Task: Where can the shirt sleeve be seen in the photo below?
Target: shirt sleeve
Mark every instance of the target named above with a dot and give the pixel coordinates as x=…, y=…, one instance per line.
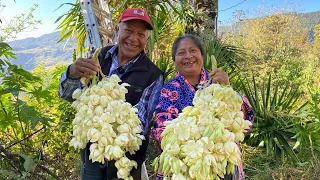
x=148, y=102
x=67, y=86
x=165, y=111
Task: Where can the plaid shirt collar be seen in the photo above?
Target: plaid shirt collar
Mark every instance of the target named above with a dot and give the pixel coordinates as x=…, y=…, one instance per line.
x=114, y=51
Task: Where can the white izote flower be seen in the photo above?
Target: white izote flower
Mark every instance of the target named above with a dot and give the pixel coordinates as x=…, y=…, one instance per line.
x=201, y=142
x=76, y=94
x=110, y=124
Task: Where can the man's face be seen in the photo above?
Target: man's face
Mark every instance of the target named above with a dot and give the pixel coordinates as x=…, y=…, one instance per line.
x=132, y=38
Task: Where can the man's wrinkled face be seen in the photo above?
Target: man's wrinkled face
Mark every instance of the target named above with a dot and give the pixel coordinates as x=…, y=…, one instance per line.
x=132, y=37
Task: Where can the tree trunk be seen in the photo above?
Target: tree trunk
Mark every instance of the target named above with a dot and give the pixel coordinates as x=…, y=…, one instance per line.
x=206, y=13
x=105, y=22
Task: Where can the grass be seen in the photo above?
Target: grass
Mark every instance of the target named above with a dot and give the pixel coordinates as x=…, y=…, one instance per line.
x=152, y=152
x=260, y=166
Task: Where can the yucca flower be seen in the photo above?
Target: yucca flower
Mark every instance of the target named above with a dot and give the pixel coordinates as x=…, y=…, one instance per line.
x=200, y=143
x=108, y=122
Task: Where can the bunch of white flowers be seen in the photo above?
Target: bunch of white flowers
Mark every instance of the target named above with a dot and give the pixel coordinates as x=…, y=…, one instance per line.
x=201, y=142
x=109, y=123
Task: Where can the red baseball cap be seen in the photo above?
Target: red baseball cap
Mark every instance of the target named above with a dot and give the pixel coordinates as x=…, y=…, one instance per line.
x=136, y=13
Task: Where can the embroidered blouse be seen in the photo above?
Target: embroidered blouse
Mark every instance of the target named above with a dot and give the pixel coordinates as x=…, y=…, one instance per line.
x=177, y=94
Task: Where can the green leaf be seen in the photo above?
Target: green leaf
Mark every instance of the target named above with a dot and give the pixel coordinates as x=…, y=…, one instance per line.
x=5, y=51
x=29, y=164
x=284, y=144
x=256, y=96
x=40, y=93
x=29, y=114
x=7, y=119
x=5, y=91
x=27, y=75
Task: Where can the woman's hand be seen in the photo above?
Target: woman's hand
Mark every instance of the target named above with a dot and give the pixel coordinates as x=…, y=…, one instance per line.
x=219, y=76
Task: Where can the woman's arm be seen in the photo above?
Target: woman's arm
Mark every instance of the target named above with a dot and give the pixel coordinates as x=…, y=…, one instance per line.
x=247, y=113
x=165, y=111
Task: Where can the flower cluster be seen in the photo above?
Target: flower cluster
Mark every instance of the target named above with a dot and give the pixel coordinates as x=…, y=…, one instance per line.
x=109, y=123
x=201, y=142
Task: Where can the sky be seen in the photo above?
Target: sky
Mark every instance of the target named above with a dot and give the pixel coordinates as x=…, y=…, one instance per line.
x=227, y=7
x=45, y=11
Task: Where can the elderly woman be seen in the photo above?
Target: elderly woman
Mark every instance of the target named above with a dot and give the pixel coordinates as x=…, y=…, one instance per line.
x=188, y=55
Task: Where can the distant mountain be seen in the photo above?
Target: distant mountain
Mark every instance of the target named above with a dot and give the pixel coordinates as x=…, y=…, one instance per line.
x=308, y=21
x=44, y=49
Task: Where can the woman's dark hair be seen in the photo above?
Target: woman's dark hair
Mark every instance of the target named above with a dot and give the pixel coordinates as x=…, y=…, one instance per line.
x=194, y=38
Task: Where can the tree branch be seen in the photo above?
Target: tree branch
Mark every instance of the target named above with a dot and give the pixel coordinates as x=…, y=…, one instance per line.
x=5, y=155
x=48, y=172
x=14, y=143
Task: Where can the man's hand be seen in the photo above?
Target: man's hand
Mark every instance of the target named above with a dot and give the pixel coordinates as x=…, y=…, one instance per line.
x=219, y=76
x=83, y=68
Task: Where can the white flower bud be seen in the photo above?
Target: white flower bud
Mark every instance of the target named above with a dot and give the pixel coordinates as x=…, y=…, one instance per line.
x=124, y=128
x=77, y=120
x=98, y=110
x=89, y=113
x=125, y=84
x=123, y=173
x=103, y=141
x=103, y=101
x=93, y=134
x=76, y=94
x=121, y=140
x=85, y=99
x=75, y=104
x=136, y=130
x=117, y=152
x=95, y=99
x=247, y=124
x=239, y=136
x=114, y=79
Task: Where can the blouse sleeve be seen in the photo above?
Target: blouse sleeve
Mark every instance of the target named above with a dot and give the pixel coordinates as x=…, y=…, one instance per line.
x=247, y=113
x=165, y=111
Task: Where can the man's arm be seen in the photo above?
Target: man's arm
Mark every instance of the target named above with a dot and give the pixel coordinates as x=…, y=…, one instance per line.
x=148, y=102
x=68, y=85
x=70, y=79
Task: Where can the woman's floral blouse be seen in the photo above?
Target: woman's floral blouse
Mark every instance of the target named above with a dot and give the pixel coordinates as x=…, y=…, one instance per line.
x=179, y=93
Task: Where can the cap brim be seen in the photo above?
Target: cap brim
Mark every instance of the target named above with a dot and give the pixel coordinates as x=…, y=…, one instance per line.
x=149, y=26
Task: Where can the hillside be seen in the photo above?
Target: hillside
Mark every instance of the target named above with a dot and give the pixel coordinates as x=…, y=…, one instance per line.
x=308, y=21
x=43, y=49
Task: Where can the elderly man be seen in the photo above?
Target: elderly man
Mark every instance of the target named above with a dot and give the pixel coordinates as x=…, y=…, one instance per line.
x=128, y=60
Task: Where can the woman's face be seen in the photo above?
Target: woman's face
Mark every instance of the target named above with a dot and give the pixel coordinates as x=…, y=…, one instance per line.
x=188, y=59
